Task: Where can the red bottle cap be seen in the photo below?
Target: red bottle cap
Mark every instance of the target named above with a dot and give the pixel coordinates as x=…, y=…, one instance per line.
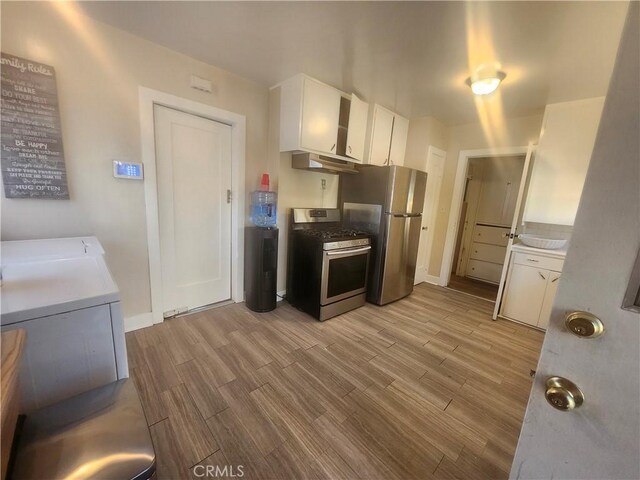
x=264, y=184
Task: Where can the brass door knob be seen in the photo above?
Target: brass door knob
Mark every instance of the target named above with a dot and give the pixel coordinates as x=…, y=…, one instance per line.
x=563, y=394
x=584, y=324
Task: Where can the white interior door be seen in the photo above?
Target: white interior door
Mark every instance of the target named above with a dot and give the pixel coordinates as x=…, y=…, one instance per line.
x=600, y=439
x=516, y=223
x=193, y=163
x=435, y=171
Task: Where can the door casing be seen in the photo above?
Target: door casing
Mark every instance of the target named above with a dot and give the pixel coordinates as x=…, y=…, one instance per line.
x=147, y=98
x=457, y=199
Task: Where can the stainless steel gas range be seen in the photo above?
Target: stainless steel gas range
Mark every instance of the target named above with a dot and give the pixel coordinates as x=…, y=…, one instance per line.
x=327, y=264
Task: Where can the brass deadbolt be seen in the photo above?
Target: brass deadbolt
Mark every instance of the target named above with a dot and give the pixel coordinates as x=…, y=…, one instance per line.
x=584, y=324
x=563, y=394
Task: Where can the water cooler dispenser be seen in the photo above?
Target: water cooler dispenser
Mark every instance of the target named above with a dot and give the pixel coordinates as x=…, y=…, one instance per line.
x=261, y=266
x=261, y=251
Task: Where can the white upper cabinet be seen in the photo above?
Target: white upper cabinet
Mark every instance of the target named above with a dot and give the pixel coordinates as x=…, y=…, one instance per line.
x=398, y=140
x=315, y=117
x=320, y=112
x=381, y=136
x=563, y=154
x=357, y=128
x=388, y=137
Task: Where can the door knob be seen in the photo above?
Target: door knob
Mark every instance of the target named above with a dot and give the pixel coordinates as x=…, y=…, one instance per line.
x=563, y=394
x=584, y=324
x=425, y=228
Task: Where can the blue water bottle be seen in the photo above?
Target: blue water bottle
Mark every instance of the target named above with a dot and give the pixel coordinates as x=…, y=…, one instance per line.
x=264, y=211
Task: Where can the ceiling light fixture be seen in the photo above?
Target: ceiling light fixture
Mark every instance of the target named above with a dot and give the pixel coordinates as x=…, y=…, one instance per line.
x=485, y=81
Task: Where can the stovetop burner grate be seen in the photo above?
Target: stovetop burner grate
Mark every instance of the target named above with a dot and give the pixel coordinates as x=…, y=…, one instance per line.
x=331, y=234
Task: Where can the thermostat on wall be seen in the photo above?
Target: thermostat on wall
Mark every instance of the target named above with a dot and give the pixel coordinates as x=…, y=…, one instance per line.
x=129, y=170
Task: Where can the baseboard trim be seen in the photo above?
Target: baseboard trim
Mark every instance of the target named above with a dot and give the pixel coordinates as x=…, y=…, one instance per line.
x=432, y=279
x=137, y=322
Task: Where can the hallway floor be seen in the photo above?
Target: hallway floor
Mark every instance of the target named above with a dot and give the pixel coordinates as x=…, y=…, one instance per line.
x=477, y=288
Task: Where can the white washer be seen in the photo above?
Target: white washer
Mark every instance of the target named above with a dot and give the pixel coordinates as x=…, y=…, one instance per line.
x=61, y=292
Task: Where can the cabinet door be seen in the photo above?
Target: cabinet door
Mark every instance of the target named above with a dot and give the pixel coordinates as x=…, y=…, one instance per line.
x=549, y=296
x=399, y=140
x=525, y=293
x=381, y=136
x=320, y=116
x=357, y=129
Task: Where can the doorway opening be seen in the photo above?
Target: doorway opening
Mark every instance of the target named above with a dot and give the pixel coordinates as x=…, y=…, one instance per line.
x=489, y=202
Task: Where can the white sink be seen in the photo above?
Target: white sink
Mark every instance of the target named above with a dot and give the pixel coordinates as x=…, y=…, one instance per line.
x=537, y=241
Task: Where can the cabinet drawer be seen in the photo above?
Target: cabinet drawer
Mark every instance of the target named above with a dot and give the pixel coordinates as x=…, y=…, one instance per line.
x=491, y=235
x=488, y=253
x=554, y=264
x=487, y=271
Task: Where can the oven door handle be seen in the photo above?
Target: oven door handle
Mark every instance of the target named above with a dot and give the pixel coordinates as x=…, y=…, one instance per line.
x=350, y=251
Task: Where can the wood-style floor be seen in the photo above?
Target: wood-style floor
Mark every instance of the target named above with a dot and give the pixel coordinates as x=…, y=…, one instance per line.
x=427, y=387
x=474, y=287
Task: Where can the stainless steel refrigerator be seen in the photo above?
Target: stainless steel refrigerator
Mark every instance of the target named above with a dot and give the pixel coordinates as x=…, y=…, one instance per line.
x=387, y=202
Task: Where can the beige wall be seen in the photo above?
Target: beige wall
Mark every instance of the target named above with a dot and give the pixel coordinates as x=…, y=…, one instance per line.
x=296, y=188
x=99, y=69
x=423, y=133
x=515, y=132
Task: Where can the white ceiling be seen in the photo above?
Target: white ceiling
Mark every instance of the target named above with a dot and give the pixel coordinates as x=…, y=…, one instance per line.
x=411, y=57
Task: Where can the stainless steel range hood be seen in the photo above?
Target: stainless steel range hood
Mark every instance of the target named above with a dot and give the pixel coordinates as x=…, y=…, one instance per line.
x=318, y=163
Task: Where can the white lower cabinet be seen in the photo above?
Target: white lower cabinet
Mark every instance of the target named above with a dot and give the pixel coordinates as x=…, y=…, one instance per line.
x=529, y=293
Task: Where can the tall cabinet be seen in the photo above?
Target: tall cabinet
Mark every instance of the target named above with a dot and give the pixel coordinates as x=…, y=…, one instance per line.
x=389, y=133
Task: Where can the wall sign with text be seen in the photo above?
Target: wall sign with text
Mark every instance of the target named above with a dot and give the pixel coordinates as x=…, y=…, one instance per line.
x=31, y=147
